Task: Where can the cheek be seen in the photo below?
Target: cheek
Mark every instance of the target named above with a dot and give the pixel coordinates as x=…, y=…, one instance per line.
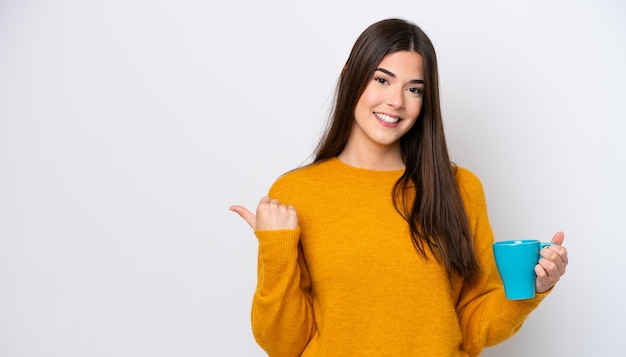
x=369, y=98
x=414, y=109
x=363, y=107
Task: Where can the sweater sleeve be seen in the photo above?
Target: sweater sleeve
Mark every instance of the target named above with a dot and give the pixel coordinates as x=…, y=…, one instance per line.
x=486, y=317
x=282, y=314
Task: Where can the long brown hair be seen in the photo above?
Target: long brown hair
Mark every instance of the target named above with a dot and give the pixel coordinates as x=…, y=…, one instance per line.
x=435, y=214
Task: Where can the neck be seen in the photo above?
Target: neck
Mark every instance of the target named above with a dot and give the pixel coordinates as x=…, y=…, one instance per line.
x=386, y=158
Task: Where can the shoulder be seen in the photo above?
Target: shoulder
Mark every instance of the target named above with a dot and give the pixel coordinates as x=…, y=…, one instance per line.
x=467, y=179
x=470, y=186
x=473, y=196
x=299, y=179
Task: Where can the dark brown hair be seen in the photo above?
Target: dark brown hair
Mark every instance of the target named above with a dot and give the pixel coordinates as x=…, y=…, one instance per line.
x=426, y=195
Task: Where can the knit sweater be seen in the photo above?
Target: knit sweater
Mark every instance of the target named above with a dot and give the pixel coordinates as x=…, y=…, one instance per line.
x=348, y=281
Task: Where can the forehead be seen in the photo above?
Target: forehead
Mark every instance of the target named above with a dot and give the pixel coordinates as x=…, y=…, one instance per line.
x=407, y=63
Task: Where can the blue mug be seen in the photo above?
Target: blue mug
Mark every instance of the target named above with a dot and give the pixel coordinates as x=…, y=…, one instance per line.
x=516, y=260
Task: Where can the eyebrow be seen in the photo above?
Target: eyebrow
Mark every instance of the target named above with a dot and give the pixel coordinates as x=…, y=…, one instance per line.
x=392, y=75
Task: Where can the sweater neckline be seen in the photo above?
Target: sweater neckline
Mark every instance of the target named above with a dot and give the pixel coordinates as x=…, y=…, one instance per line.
x=363, y=172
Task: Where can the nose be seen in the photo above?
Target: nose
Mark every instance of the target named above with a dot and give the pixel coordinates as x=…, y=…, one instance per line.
x=395, y=98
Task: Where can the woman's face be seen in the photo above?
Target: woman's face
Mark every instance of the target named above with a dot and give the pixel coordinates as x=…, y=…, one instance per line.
x=391, y=102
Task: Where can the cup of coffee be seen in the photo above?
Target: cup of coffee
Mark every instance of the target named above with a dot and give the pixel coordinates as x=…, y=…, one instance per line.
x=516, y=260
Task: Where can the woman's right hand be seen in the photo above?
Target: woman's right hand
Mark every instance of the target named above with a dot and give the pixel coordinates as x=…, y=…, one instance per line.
x=270, y=215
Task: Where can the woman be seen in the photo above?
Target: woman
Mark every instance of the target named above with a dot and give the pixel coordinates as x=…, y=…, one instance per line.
x=381, y=246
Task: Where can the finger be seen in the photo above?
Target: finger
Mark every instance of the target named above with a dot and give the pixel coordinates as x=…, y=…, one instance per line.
x=542, y=274
x=558, y=238
x=542, y=283
x=547, y=275
x=556, y=254
x=263, y=202
x=275, y=204
x=550, y=266
x=551, y=271
x=292, y=216
x=273, y=215
x=248, y=216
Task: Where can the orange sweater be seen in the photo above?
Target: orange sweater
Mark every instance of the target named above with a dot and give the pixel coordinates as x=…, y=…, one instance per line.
x=348, y=281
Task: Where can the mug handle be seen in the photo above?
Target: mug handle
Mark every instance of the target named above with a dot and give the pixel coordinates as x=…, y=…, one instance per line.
x=545, y=244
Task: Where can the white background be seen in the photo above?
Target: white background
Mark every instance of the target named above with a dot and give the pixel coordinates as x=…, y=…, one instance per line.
x=127, y=128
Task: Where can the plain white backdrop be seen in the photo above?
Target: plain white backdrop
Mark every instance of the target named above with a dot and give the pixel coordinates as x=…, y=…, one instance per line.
x=127, y=128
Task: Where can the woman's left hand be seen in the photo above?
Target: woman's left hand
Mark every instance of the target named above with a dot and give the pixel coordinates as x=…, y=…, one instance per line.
x=551, y=265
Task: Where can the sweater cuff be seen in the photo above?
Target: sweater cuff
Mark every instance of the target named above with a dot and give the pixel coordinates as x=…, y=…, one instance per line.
x=278, y=260
x=278, y=246
x=520, y=309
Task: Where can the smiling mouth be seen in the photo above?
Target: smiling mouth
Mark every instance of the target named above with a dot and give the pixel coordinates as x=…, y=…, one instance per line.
x=387, y=118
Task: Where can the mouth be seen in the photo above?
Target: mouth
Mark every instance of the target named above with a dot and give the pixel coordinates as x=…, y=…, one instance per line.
x=386, y=118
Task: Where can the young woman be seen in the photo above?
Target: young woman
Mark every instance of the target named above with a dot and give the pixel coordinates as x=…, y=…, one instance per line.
x=381, y=246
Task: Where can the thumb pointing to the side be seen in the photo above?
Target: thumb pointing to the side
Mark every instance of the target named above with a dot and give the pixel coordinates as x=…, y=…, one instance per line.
x=248, y=216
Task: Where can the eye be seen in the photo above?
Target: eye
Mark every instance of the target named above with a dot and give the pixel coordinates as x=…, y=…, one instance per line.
x=417, y=91
x=381, y=80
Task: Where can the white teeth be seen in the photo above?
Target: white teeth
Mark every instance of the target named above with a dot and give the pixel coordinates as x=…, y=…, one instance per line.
x=386, y=118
